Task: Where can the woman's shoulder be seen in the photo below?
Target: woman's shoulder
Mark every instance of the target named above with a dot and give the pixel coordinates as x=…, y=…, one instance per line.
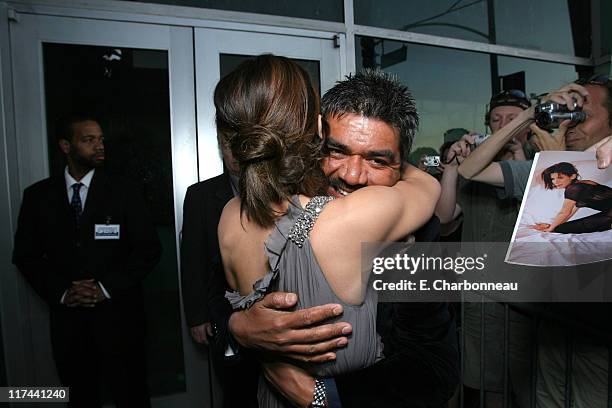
x=229, y=223
x=579, y=188
x=231, y=210
x=235, y=225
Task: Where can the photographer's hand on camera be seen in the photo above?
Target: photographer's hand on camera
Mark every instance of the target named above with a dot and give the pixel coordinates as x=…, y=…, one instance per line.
x=572, y=95
x=560, y=109
x=543, y=140
x=460, y=150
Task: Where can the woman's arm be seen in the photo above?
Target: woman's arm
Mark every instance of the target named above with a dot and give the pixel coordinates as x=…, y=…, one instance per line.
x=565, y=213
x=385, y=213
x=370, y=214
x=379, y=213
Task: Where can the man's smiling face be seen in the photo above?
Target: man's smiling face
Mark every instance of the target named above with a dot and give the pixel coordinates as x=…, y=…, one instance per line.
x=360, y=152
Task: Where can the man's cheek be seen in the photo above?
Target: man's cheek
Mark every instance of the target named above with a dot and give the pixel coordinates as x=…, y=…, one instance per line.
x=387, y=177
x=328, y=166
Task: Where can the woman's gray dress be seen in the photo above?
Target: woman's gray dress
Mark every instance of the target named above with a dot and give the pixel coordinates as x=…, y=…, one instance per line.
x=294, y=268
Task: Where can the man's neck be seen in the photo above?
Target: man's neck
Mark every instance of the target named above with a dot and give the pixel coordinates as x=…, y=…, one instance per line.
x=77, y=172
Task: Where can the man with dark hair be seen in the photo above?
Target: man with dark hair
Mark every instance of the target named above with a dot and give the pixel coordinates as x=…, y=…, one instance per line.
x=368, y=122
x=372, y=94
x=85, y=242
x=595, y=99
x=590, y=356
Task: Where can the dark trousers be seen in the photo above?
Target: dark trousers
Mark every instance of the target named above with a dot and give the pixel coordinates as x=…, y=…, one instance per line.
x=421, y=364
x=412, y=378
x=89, y=353
x=238, y=377
x=601, y=221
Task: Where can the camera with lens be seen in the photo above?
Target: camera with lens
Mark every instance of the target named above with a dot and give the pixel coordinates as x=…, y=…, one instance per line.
x=549, y=115
x=479, y=139
x=431, y=161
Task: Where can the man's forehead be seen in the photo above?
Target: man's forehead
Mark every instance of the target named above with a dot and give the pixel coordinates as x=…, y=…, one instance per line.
x=597, y=95
x=87, y=127
x=505, y=110
x=359, y=132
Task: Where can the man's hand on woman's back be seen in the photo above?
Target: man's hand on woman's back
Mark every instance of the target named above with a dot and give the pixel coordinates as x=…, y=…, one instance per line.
x=302, y=335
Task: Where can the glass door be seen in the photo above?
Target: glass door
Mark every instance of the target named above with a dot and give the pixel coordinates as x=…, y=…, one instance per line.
x=218, y=52
x=138, y=80
x=143, y=81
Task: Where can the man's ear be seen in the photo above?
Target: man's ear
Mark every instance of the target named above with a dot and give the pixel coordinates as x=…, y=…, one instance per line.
x=320, y=126
x=64, y=146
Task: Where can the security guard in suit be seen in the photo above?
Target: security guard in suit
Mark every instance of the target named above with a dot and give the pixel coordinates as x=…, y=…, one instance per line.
x=85, y=242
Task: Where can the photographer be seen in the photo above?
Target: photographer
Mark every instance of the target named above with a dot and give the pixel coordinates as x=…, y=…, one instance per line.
x=472, y=198
x=488, y=219
x=591, y=97
x=510, y=175
x=590, y=355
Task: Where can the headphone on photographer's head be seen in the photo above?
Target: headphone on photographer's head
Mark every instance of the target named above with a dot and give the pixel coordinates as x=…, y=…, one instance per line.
x=508, y=97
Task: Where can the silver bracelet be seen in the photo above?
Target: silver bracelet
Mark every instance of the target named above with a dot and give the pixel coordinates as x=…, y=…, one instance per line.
x=319, y=396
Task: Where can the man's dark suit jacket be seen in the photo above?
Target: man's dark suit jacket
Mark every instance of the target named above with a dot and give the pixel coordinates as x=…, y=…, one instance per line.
x=51, y=252
x=202, y=277
x=421, y=364
x=204, y=285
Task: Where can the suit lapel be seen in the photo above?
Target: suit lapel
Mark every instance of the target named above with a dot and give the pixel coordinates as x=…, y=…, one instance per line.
x=94, y=196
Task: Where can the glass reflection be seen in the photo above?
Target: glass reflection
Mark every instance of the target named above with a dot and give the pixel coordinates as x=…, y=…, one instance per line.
x=129, y=92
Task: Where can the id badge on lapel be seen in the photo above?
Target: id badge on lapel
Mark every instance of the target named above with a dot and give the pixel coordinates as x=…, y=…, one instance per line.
x=107, y=231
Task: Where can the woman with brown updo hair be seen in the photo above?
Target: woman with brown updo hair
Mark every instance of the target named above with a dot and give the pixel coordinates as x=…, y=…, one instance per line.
x=283, y=232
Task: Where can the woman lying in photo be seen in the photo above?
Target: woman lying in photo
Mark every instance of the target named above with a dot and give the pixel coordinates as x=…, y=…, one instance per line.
x=578, y=193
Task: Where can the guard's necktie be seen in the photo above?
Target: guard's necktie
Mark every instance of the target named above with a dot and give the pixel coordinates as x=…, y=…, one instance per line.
x=75, y=203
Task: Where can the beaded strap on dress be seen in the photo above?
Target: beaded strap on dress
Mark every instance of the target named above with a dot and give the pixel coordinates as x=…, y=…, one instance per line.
x=300, y=230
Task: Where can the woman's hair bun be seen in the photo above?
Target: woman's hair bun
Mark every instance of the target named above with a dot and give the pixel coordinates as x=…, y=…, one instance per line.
x=266, y=113
x=254, y=143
